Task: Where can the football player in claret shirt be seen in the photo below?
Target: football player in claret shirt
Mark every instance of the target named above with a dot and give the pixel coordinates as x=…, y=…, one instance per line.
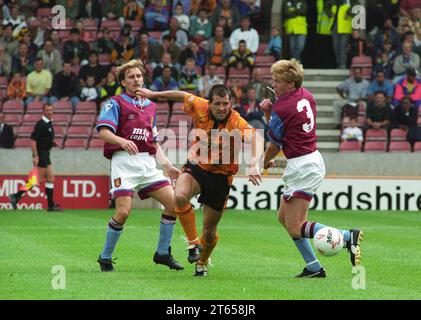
x=292, y=127
x=127, y=124
x=210, y=173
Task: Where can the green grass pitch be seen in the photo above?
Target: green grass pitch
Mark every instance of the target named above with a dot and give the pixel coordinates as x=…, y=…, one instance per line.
x=254, y=259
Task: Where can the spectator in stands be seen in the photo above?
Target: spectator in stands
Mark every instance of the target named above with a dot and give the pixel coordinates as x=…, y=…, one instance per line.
x=185, y=6
x=417, y=41
x=356, y=47
x=5, y=63
x=16, y=90
x=242, y=57
x=353, y=133
x=71, y=8
x=22, y=62
x=146, y=49
x=415, y=20
x=65, y=86
x=94, y=69
x=8, y=42
x=56, y=41
x=182, y=18
x=16, y=20
x=249, y=8
x=113, y=10
x=385, y=65
x=124, y=50
x=218, y=48
x=274, y=46
x=75, y=49
x=90, y=9
x=236, y=88
x=168, y=46
x=51, y=57
x=38, y=83
x=4, y=10
x=405, y=117
x=405, y=61
x=189, y=78
x=207, y=81
x=250, y=110
x=352, y=91
x=380, y=84
x=295, y=24
x=106, y=44
x=246, y=33
x=200, y=27
x=157, y=16
x=258, y=84
x=223, y=22
x=379, y=113
x=165, y=82
x=7, y=136
x=208, y=5
x=132, y=11
x=410, y=87
x=195, y=52
x=231, y=13
x=165, y=62
x=388, y=33
x=178, y=35
x=41, y=32
x=89, y=92
x=27, y=39
x=405, y=7
x=110, y=88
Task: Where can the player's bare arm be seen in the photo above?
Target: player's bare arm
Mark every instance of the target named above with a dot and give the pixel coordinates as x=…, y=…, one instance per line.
x=266, y=107
x=35, y=158
x=271, y=152
x=109, y=137
x=174, y=95
x=257, y=142
x=170, y=170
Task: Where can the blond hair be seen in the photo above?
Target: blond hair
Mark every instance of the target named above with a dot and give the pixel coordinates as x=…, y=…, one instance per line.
x=289, y=71
x=121, y=70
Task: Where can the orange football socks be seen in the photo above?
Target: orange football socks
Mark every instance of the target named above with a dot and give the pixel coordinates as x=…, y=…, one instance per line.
x=188, y=221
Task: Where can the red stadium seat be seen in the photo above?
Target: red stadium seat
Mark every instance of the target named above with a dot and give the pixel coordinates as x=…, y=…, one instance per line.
x=176, y=118
x=264, y=61
x=13, y=106
x=34, y=107
x=30, y=119
x=111, y=25
x=64, y=35
x=239, y=82
x=3, y=82
x=83, y=120
x=63, y=107
x=22, y=143
x=75, y=143
x=156, y=35
x=86, y=107
x=44, y=12
x=89, y=36
x=178, y=108
x=361, y=121
x=419, y=120
x=136, y=25
x=397, y=135
x=349, y=146
x=162, y=120
x=242, y=73
x=89, y=24
x=365, y=62
x=376, y=135
x=96, y=144
x=375, y=146
x=104, y=59
x=361, y=109
x=3, y=93
x=417, y=146
x=79, y=132
x=162, y=107
x=59, y=131
x=261, y=49
x=25, y=131
x=399, y=146
x=61, y=119
x=13, y=119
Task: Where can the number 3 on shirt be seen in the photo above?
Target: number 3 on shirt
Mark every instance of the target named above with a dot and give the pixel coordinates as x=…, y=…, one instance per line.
x=304, y=103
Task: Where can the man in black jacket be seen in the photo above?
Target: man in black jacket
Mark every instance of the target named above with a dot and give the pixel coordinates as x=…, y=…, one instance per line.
x=7, y=136
x=65, y=86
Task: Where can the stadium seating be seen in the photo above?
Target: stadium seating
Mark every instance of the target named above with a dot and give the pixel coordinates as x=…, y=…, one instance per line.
x=75, y=143
x=399, y=146
x=239, y=82
x=25, y=131
x=104, y=59
x=3, y=82
x=30, y=119
x=83, y=119
x=34, y=107
x=242, y=73
x=261, y=49
x=61, y=119
x=364, y=62
x=79, y=132
x=60, y=131
x=178, y=108
x=22, y=143
x=176, y=118
x=417, y=146
x=44, y=12
x=96, y=144
x=349, y=146
x=398, y=135
x=62, y=107
x=112, y=25
x=13, y=119
x=264, y=61
x=375, y=146
x=376, y=135
x=13, y=106
x=87, y=107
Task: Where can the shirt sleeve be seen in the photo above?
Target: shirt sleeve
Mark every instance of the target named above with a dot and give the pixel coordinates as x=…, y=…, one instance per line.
x=155, y=129
x=36, y=133
x=109, y=116
x=193, y=103
x=276, y=129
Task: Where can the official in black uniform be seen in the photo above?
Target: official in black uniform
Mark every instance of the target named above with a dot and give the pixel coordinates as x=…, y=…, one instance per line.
x=42, y=140
x=7, y=136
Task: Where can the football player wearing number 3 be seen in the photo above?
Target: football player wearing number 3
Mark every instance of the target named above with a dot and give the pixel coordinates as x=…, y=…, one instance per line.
x=292, y=127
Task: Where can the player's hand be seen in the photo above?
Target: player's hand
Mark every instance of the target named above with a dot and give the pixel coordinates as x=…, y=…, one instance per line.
x=129, y=146
x=145, y=93
x=266, y=106
x=35, y=161
x=254, y=176
x=269, y=164
x=172, y=172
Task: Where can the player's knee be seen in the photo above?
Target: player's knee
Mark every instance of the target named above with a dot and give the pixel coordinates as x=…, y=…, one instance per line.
x=122, y=215
x=181, y=200
x=209, y=234
x=294, y=231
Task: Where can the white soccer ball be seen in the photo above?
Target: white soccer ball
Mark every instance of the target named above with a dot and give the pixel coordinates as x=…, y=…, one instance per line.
x=328, y=241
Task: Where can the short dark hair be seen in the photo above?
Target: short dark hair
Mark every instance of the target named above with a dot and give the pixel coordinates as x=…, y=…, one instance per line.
x=46, y=105
x=219, y=90
x=74, y=30
x=380, y=92
x=411, y=72
x=167, y=37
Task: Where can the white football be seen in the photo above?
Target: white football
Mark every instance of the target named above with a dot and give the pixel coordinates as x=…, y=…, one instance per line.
x=328, y=241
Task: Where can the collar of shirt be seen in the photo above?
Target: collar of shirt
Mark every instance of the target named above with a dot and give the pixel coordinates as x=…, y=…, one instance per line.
x=46, y=120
